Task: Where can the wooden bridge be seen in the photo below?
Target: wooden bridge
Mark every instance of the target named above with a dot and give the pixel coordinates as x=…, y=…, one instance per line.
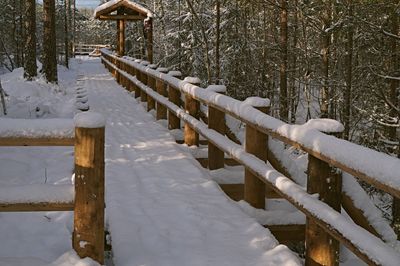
x=328, y=156
x=201, y=116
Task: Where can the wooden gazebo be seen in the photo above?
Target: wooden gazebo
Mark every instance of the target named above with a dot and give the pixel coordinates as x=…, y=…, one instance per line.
x=123, y=11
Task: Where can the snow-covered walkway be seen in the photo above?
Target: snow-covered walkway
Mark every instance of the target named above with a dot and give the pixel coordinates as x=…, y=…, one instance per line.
x=161, y=210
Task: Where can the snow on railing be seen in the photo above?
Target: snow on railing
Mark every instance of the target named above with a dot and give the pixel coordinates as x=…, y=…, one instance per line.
x=373, y=167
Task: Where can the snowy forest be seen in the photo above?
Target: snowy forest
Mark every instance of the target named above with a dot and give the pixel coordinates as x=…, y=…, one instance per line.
x=336, y=59
x=315, y=63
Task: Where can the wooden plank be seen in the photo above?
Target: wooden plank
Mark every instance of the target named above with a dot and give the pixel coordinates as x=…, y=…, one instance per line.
x=37, y=207
x=288, y=233
x=121, y=17
x=357, y=215
x=37, y=141
x=234, y=191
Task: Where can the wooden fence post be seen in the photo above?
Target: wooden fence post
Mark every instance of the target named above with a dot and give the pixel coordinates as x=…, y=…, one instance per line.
x=192, y=107
x=138, y=91
x=256, y=144
x=151, y=103
x=216, y=121
x=117, y=75
x=321, y=248
x=88, y=235
x=174, y=96
x=161, y=109
x=144, y=79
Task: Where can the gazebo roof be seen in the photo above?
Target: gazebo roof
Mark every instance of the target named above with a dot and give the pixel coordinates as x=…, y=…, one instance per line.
x=122, y=9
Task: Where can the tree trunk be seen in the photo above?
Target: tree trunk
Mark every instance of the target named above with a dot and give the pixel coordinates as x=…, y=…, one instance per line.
x=326, y=42
x=66, y=32
x=49, y=41
x=283, y=108
x=349, y=73
x=30, y=69
x=293, y=88
x=217, y=42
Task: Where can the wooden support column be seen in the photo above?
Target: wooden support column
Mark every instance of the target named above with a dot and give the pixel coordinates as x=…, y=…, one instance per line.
x=321, y=248
x=256, y=143
x=144, y=80
x=88, y=235
x=138, y=91
x=192, y=107
x=216, y=121
x=121, y=37
x=174, y=96
x=161, y=109
x=151, y=103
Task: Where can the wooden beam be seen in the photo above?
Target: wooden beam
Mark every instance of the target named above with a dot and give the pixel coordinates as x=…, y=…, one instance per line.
x=288, y=233
x=121, y=17
x=234, y=191
x=37, y=141
x=37, y=207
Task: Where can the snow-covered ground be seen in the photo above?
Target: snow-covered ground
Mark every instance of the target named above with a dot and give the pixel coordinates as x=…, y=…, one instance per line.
x=162, y=208
x=40, y=238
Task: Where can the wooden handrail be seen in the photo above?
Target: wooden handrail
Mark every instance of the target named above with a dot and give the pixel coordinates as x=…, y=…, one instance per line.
x=332, y=222
x=16, y=141
x=283, y=132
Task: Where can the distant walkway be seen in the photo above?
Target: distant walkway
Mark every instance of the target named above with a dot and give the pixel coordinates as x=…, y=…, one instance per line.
x=160, y=209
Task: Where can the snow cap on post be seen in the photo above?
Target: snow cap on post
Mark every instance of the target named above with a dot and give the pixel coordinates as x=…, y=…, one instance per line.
x=138, y=61
x=193, y=80
x=217, y=88
x=145, y=63
x=257, y=102
x=89, y=120
x=325, y=125
x=162, y=70
x=153, y=66
x=176, y=74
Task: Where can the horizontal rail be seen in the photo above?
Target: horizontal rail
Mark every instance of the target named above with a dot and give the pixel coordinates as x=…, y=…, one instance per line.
x=382, y=172
x=15, y=141
x=36, y=197
x=37, y=207
x=351, y=235
x=36, y=132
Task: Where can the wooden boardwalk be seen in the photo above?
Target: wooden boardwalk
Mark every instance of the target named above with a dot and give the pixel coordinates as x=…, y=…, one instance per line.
x=162, y=209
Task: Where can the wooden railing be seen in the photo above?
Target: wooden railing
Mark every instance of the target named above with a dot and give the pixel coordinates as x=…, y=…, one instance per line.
x=88, y=49
x=325, y=227
x=85, y=198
